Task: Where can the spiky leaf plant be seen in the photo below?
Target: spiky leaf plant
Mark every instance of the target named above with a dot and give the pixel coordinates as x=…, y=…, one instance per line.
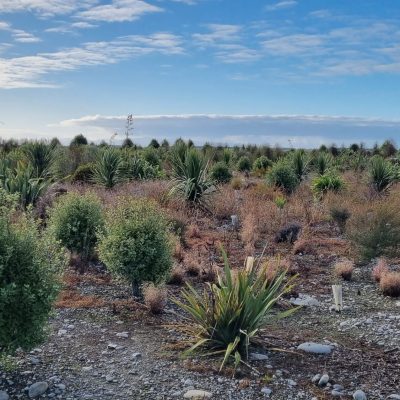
x=191, y=180
x=381, y=173
x=322, y=162
x=300, y=164
x=328, y=182
x=229, y=314
x=108, y=168
x=41, y=155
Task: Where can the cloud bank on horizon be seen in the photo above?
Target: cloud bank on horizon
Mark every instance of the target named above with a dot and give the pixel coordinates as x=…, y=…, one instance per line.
x=286, y=60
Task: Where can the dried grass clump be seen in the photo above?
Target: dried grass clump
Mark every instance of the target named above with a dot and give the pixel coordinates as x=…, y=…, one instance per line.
x=250, y=232
x=192, y=265
x=155, y=298
x=224, y=203
x=193, y=231
x=237, y=183
x=209, y=274
x=390, y=284
x=380, y=269
x=177, y=276
x=344, y=269
x=178, y=253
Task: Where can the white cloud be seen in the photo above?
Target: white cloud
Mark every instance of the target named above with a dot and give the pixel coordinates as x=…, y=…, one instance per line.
x=293, y=44
x=119, y=11
x=281, y=5
x=24, y=37
x=44, y=7
x=29, y=71
x=218, y=33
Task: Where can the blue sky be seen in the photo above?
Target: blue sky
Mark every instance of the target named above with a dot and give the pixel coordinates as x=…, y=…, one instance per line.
x=226, y=71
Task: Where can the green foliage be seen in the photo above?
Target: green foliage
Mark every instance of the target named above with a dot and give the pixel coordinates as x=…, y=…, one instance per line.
x=83, y=174
x=220, y=173
x=299, y=161
x=244, y=164
x=283, y=176
x=29, y=268
x=340, y=215
x=376, y=233
x=78, y=140
x=328, y=182
x=280, y=202
x=191, y=179
x=227, y=316
x=262, y=163
x=75, y=221
x=136, y=168
x=22, y=180
x=41, y=156
x=108, y=168
x=382, y=174
x=388, y=149
x=322, y=162
x=227, y=156
x=135, y=244
x=154, y=143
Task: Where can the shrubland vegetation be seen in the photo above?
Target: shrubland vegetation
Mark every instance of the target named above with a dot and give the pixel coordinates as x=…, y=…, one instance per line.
x=134, y=210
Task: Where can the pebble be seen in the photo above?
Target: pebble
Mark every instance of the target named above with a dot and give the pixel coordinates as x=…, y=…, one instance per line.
x=258, y=357
x=37, y=389
x=359, y=395
x=123, y=335
x=316, y=348
x=266, y=391
x=197, y=394
x=316, y=378
x=304, y=300
x=394, y=396
x=4, y=395
x=323, y=380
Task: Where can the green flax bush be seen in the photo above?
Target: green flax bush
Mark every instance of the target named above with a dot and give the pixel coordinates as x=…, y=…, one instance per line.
x=136, y=244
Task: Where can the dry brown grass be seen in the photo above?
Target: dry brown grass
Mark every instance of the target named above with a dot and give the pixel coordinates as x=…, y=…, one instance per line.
x=177, y=276
x=344, y=269
x=209, y=274
x=237, y=183
x=155, y=298
x=192, y=264
x=390, y=284
x=224, y=202
x=73, y=299
x=380, y=269
x=193, y=231
x=318, y=246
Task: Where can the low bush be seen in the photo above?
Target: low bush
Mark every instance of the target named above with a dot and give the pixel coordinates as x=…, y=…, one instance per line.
x=30, y=265
x=325, y=183
x=376, y=233
x=380, y=269
x=261, y=164
x=390, y=284
x=108, y=168
x=75, y=221
x=83, y=174
x=381, y=173
x=220, y=173
x=283, y=177
x=289, y=233
x=244, y=164
x=322, y=163
x=340, y=215
x=344, y=269
x=229, y=314
x=299, y=162
x=136, y=244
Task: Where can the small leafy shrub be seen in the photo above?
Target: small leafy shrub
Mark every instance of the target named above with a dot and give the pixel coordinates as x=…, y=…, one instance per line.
x=155, y=298
x=136, y=244
x=382, y=174
x=380, y=269
x=191, y=180
x=261, y=164
x=282, y=176
x=244, y=164
x=107, y=169
x=390, y=284
x=289, y=233
x=230, y=313
x=340, y=215
x=344, y=269
x=83, y=174
x=29, y=282
x=376, y=233
x=75, y=221
x=220, y=173
x=325, y=183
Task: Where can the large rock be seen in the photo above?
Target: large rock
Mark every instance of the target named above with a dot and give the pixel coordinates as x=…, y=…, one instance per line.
x=315, y=348
x=197, y=395
x=359, y=395
x=4, y=395
x=304, y=300
x=37, y=389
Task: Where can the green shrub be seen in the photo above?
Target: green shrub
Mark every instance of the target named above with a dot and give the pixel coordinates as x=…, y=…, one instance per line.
x=220, y=173
x=83, y=174
x=136, y=168
x=299, y=161
x=381, y=173
x=262, y=163
x=323, y=163
x=136, y=243
x=41, y=156
x=283, y=176
x=191, y=179
x=230, y=313
x=29, y=270
x=78, y=140
x=325, y=183
x=107, y=169
x=244, y=164
x=75, y=221
x=376, y=233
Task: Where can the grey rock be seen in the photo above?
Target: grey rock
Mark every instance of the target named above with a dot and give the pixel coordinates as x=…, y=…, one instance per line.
x=394, y=396
x=316, y=378
x=323, y=380
x=37, y=389
x=197, y=395
x=258, y=357
x=315, y=348
x=359, y=395
x=4, y=395
x=338, y=387
x=336, y=393
x=266, y=391
x=304, y=300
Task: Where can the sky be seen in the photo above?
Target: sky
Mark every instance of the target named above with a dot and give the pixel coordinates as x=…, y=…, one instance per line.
x=289, y=72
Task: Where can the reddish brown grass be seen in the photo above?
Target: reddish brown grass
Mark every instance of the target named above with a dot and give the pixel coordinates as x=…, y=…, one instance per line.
x=380, y=269
x=155, y=298
x=390, y=284
x=344, y=269
x=73, y=299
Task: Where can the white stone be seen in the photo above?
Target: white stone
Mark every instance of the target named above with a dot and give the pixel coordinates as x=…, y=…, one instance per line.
x=316, y=348
x=197, y=394
x=359, y=395
x=304, y=300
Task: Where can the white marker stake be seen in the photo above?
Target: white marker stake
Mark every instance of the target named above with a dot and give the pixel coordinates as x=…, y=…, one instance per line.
x=338, y=297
